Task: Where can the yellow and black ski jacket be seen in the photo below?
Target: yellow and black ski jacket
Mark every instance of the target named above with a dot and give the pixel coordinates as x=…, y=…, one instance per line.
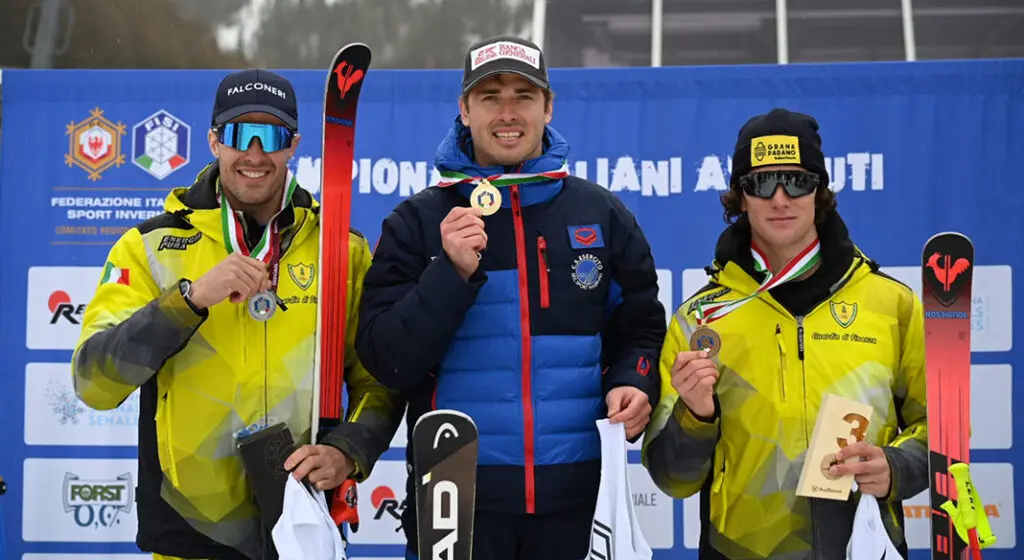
x=205, y=376
x=848, y=329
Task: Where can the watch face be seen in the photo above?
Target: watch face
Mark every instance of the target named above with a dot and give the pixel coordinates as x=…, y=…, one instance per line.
x=183, y=286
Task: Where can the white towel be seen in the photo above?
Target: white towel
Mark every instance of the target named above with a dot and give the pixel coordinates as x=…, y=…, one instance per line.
x=305, y=530
x=615, y=532
x=869, y=541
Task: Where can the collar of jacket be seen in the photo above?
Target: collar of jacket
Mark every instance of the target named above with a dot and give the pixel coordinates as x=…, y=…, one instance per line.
x=455, y=153
x=197, y=204
x=733, y=265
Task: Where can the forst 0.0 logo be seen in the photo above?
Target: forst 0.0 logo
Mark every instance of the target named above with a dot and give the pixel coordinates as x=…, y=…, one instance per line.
x=97, y=503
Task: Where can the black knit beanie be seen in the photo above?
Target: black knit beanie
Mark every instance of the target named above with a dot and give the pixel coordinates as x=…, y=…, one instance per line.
x=779, y=137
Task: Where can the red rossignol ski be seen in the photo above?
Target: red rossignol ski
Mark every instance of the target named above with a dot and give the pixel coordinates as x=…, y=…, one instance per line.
x=947, y=270
x=341, y=100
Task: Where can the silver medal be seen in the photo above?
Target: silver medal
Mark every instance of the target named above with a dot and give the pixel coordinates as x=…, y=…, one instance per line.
x=262, y=306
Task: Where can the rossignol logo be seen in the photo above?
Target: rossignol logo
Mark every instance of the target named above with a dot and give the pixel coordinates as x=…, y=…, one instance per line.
x=97, y=503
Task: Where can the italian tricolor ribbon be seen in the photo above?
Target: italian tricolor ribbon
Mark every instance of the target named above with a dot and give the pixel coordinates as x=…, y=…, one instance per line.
x=449, y=178
x=796, y=267
x=269, y=246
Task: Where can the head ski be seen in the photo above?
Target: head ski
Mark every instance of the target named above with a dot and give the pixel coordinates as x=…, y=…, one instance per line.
x=341, y=100
x=947, y=270
x=444, y=445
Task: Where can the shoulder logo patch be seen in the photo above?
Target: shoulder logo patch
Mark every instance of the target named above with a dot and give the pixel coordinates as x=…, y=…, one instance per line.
x=707, y=297
x=177, y=243
x=302, y=274
x=844, y=313
x=587, y=271
x=586, y=236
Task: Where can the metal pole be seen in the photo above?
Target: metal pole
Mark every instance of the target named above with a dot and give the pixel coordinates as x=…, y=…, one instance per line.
x=909, y=43
x=45, y=43
x=539, y=15
x=657, y=27
x=782, y=31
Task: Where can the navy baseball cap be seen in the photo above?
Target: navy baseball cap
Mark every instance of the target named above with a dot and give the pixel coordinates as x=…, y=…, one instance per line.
x=255, y=91
x=504, y=54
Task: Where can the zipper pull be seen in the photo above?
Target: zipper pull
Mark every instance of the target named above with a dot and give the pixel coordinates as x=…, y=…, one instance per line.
x=516, y=209
x=800, y=337
x=542, y=245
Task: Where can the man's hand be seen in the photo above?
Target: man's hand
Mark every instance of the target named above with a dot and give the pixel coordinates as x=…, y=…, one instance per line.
x=325, y=467
x=630, y=406
x=463, y=237
x=693, y=377
x=872, y=470
x=237, y=277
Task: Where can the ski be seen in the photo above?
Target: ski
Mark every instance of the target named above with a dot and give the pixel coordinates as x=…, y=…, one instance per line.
x=947, y=270
x=444, y=446
x=341, y=100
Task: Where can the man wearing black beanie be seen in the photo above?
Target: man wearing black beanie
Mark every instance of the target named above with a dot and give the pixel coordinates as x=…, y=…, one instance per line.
x=793, y=311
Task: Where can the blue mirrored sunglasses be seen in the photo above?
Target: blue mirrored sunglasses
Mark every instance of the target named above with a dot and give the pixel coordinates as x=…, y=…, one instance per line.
x=273, y=137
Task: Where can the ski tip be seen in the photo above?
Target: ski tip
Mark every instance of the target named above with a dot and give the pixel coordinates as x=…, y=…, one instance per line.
x=444, y=428
x=948, y=235
x=443, y=414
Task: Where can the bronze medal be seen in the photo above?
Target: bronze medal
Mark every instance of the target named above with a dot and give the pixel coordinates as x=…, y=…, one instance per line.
x=705, y=338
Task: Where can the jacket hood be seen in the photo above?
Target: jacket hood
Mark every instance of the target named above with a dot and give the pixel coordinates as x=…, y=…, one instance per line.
x=733, y=265
x=198, y=205
x=455, y=153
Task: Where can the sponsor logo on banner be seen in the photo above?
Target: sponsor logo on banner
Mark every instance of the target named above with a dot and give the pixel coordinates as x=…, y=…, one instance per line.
x=380, y=516
x=672, y=176
x=94, y=144
x=161, y=144
x=79, y=500
x=57, y=298
x=994, y=483
x=54, y=415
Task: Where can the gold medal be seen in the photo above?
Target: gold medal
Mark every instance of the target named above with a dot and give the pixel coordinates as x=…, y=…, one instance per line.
x=705, y=338
x=486, y=197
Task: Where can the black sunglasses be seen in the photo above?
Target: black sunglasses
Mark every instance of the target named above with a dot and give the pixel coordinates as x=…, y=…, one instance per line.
x=765, y=183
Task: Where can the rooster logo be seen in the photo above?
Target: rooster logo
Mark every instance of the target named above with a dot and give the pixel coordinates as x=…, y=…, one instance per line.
x=347, y=76
x=945, y=271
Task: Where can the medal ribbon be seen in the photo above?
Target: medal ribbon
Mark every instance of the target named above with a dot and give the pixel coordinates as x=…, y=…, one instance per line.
x=268, y=249
x=449, y=178
x=797, y=266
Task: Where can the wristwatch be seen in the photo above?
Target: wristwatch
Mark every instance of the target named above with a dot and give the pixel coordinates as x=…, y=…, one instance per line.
x=185, y=287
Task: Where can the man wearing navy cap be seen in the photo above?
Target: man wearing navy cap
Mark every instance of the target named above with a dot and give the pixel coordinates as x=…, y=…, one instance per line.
x=210, y=311
x=528, y=301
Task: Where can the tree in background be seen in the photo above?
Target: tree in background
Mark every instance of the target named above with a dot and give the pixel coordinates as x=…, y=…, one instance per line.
x=126, y=34
x=418, y=34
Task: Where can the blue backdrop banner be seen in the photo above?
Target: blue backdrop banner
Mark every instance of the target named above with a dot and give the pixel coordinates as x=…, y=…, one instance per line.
x=913, y=149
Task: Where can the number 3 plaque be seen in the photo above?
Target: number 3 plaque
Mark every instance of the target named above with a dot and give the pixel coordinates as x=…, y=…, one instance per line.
x=841, y=422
